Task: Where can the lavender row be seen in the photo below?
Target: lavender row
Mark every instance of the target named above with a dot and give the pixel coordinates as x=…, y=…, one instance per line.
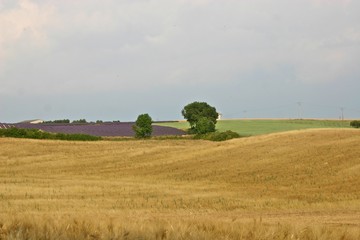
x=104, y=129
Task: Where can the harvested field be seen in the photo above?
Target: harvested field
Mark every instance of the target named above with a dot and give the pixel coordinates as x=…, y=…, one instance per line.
x=293, y=185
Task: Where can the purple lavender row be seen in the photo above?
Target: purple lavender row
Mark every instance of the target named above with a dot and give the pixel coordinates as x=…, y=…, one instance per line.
x=103, y=129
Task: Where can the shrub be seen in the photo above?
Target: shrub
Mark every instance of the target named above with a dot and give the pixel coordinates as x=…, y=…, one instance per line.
x=355, y=124
x=218, y=136
x=76, y=137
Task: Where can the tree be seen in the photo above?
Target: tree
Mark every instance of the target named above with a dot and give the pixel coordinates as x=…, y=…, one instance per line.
x=59, y=121
x=204, y=125
x=195, y=113
x=355, y=124
x=80, y=121
x=142, y=126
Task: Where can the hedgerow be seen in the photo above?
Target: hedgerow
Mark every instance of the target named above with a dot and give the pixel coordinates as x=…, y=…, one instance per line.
x=355, y=124
x=218, y=136
x=38, y=134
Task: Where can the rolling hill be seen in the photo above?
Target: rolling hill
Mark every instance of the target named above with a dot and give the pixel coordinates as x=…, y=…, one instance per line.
x=254, y=127
x=279, y=183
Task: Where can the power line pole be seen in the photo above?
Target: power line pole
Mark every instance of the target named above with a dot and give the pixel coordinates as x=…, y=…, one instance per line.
x=299, y=110
x=342, y=113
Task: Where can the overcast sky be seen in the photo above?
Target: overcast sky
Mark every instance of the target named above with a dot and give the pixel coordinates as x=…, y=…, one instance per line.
x=116, y=59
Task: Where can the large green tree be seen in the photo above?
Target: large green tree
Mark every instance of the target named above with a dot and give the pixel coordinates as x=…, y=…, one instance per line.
x=142, y=126
x=204, y=125
x=196, y=113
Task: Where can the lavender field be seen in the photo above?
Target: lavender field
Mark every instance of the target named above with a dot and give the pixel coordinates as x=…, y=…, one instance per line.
x=103, y=129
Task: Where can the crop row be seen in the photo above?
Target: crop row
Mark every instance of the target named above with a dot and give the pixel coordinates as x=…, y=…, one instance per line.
x=103, y=129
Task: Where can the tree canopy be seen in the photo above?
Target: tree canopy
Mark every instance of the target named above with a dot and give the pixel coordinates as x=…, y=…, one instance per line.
x=201, y=116
x=143, y=127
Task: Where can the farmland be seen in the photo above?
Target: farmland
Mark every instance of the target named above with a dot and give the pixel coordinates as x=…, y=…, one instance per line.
x=292, y=185
x=112, y=129
x=265, y=126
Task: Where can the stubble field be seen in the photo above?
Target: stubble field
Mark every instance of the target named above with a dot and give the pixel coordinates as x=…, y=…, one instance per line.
x=294, y=185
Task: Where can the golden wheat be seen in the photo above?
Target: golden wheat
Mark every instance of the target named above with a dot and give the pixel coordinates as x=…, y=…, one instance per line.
x=301, y=184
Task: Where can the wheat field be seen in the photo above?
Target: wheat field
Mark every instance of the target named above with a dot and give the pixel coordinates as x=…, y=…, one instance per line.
x=292, y=185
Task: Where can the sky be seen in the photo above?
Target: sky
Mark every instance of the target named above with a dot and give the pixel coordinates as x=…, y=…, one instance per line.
x=116, y=59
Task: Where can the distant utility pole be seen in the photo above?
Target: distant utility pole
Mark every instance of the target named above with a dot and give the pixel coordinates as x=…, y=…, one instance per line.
x=299, y=110
x=245, y=113
x=342, y=113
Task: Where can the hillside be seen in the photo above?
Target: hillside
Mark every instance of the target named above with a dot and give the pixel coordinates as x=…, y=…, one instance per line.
x=303, y=178
x=254, y=127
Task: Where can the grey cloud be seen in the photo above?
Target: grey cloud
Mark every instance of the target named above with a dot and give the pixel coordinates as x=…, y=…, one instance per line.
x=226, y=51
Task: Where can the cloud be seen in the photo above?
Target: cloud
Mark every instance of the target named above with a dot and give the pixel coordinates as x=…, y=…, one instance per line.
x=97, y=47
x=202, y=34
x=23, y=24
x=27, y=19
x=337, y=2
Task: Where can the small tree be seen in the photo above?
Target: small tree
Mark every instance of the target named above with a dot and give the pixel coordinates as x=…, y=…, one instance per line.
x=196, y=111
x=143, y=127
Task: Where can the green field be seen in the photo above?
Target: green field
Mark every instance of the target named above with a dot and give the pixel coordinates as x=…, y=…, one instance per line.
x=259, y=126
